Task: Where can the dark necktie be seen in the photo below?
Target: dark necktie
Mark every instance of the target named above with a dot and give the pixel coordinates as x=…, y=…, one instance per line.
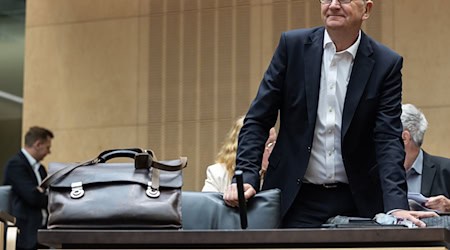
x=42, y=172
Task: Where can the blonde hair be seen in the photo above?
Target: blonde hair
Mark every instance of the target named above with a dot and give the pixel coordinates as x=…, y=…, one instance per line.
x=227, y=154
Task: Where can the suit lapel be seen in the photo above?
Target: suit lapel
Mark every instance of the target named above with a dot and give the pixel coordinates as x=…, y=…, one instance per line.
x=428, y=173
x=313, y=64
x=29, y=168
x=362, y=68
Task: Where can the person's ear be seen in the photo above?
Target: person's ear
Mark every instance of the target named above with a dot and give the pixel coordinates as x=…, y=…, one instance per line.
x=406, y=136
x=37, y=144
x=368, y=9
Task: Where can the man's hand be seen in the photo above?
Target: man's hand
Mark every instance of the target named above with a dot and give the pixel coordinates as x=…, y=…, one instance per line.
x=440, y=203
x=231, y=195
x=414, y=216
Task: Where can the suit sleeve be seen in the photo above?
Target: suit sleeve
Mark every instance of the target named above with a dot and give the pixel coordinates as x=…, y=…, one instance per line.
x=262, y=116
x=24, y=185
x=388, y=141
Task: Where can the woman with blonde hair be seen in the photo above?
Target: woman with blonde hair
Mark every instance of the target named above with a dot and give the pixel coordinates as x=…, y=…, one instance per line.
x=218, y=175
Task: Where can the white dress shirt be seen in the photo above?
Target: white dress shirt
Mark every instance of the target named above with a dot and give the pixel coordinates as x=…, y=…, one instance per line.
x=325, y=163
x=34, y=164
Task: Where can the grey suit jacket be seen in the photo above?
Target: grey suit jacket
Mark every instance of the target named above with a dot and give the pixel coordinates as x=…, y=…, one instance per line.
x=435, y=176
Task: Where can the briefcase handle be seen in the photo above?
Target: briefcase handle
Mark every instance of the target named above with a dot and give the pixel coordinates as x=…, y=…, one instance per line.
x=143, y=159
x=117, y=153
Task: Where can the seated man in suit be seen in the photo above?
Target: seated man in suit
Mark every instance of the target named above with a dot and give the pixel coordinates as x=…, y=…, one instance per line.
x=426, y=174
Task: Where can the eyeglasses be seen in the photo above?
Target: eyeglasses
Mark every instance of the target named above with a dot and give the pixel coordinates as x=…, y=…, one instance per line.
x=330, y=1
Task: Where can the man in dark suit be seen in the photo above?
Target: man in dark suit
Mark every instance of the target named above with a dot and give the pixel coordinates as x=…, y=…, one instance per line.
x=339, y=149
x=24, y=173
x=426, y=174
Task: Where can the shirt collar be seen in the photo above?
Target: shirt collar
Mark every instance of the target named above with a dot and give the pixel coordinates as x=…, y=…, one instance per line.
x=352, y=49
x=30, y=158
x=418, y=163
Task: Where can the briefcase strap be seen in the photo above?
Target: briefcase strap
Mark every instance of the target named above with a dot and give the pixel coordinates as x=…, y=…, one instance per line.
x=143, y=159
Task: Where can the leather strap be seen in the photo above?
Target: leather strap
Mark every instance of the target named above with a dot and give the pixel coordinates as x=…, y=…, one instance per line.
x=143, y=159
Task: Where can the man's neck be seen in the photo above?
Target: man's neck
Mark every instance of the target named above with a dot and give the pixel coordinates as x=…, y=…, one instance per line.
x=411, y=157
x=31, y=152
x=343, y=40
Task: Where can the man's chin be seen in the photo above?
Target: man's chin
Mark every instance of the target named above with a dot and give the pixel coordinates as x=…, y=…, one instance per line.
x=334, y=25
x=335, y=20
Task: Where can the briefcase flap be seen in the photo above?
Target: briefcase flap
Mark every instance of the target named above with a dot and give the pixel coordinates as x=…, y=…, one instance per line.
x=113, y=173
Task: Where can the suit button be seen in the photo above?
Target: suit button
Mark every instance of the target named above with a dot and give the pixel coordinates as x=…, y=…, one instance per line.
x=299, y=181
x=309, y=149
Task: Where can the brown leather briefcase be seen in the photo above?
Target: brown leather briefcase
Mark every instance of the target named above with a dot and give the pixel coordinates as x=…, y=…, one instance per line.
x=145, y=193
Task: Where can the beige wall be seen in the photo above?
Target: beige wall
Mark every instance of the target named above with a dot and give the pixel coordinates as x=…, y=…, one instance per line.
x=172, y=75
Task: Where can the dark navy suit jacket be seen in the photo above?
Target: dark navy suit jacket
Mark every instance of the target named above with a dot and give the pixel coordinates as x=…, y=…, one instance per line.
x=27, y=201
x=372, y=148
x=435, y=176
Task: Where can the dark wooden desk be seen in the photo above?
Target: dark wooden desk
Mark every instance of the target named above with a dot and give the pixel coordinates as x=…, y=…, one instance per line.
x=287, y=238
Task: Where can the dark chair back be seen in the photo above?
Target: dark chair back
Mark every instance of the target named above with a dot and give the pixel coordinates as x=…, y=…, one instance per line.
x=207, y=210
x=5, y=199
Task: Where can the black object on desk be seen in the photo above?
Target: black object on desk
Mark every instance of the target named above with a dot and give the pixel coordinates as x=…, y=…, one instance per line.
x=241, y=198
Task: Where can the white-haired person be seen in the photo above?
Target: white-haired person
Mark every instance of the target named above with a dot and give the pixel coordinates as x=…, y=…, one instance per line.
x=426, y=174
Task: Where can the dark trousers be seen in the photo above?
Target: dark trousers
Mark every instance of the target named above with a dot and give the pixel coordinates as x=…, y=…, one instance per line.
x=315, y=204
